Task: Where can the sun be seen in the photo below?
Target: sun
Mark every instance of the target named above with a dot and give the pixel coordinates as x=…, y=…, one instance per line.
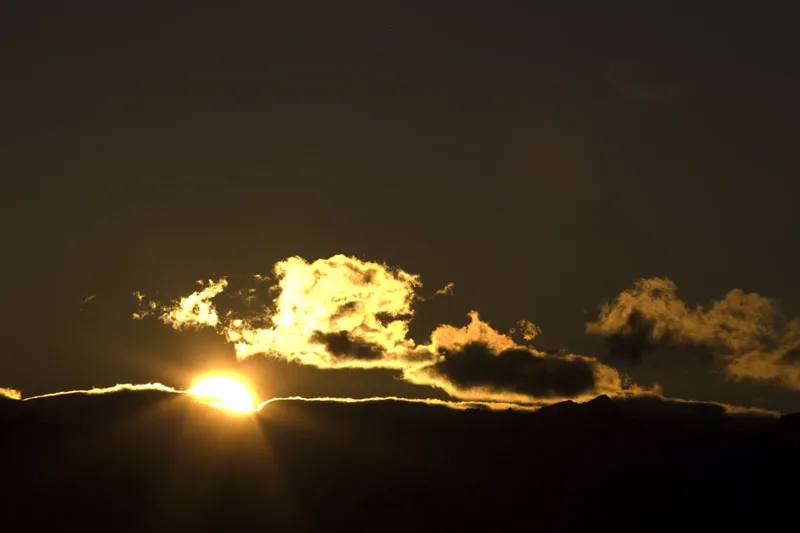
x=224, y=392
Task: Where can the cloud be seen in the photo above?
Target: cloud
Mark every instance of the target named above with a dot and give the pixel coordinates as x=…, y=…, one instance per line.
x=457, y=405
x=193, y=311
x=646, y=405
x=527, y=330
x=197, y=309
x=342, y=344
x=109, y=390
x=633, y=339
x=478, y=362
x=8, y=392
x=318, y=301
x=343, y=312
x=657, y=407
x=746, y=331
x=447, y=290
x=338, y=312
x=649, y=404
x=146, y=307
x=515, y=372
x=447, y=337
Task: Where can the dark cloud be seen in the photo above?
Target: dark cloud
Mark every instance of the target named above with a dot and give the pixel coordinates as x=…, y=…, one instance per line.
x=655, y=407
x=341, y=344
x=385, y=318
x=345, y=309
x=633, y=341
x=362, y=275
x=516, y=371
x=792, y=357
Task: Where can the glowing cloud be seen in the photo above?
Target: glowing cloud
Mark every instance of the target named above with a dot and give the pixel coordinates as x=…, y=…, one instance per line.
x=447, y=290
x=197, y=309
x=8, y=392
x=457, y=405
x=343, y=312
x=649, y=400
x=747, y=331
x=109, y=390
x=447, y=337
x=333, y=313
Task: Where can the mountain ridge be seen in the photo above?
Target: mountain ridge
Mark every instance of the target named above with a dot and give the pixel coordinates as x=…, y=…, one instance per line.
x=164, y=462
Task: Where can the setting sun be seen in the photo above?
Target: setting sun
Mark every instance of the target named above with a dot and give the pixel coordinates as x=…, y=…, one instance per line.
x=224, y=392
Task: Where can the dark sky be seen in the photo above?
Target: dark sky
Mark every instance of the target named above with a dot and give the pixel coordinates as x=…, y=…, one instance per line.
x=542, y=159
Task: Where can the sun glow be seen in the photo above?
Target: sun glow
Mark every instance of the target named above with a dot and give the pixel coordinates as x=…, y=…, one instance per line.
x=224, y=392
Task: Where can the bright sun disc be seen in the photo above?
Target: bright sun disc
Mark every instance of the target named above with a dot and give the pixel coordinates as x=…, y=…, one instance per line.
x=224, y=392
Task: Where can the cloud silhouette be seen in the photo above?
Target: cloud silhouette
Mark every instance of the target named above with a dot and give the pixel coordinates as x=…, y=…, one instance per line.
x=478, y=362
x=342, y=344
x=633, y=340
x=517, y=371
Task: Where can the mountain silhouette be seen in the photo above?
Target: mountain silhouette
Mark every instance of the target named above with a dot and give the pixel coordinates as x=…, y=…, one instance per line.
x=156, y=461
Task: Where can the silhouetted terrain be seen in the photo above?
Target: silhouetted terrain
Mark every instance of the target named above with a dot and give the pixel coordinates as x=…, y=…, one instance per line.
x=153, y=461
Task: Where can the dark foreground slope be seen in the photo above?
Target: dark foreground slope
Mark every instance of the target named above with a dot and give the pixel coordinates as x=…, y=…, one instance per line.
x=150, y=461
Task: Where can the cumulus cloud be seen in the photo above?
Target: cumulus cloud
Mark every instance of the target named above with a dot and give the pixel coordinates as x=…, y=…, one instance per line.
x=332, y=313
x=343, y=312
x=746, y=331
x=338, y=312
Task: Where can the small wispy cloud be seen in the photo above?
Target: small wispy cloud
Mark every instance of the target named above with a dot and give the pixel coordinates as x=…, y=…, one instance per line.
x=197, y=309
x=145, y=307
x=109, y=390
x=458, y=405
x=447, y=290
